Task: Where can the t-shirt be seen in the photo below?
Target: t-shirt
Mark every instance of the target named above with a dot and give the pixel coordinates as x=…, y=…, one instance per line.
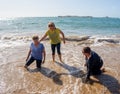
x=54, y=36
x=36, y=51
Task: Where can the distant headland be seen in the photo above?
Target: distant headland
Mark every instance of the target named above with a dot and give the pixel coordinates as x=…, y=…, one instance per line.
x=77, y=16
x=82, y=16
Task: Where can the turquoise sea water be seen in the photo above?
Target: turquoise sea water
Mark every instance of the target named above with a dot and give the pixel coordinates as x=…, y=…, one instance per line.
x=69, y=25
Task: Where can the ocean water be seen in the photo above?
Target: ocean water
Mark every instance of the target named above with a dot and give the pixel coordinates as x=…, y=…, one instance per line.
x=16, y=31
x=70, y=25
x=15, y=38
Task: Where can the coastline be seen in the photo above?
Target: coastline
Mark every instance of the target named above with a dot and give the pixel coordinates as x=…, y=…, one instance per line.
x=57, y=78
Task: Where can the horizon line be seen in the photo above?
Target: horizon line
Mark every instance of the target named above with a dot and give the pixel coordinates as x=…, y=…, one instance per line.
x=60, y=16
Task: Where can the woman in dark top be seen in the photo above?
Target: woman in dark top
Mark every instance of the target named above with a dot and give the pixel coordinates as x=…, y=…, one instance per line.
x=94, y=62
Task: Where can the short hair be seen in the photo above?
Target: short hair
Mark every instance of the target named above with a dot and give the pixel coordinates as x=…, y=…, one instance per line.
x=35, y=37
x=51, y=23
x=87, y=50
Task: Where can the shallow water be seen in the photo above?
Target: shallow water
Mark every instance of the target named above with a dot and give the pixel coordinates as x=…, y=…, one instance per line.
x=58, y=78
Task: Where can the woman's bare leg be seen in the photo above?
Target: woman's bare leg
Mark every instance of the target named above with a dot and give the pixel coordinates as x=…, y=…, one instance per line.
x=60, y=58
x=53, y=57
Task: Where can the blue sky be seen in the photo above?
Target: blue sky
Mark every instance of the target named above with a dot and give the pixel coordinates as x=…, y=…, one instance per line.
x=98, y=8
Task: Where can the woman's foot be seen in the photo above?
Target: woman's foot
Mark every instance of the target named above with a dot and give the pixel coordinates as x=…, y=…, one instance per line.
x=53, y=61
x=53, y=58
x=60, y=58
x=61, y=61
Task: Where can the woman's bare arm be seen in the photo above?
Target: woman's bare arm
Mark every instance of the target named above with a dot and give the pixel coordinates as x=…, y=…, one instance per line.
x=63, y=36
x=43, y=37
x=28, y=54
x=44, y=55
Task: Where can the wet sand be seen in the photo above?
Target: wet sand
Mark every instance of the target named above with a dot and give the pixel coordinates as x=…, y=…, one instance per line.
x=59, y=78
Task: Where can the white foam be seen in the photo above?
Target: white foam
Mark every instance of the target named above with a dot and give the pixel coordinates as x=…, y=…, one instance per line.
x=101, y=40
x=2, y=87
x=7, y=44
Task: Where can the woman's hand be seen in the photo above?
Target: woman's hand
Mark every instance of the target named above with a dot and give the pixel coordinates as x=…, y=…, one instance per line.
x=43, y=37
x=26, y=59
x=43, y=61
x=64, y=41
x=85, y=64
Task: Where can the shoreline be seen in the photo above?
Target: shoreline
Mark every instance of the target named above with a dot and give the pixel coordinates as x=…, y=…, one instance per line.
x=57, y=78
x=101, y=34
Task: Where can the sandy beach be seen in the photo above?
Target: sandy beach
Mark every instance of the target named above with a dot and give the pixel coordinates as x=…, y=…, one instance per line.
x=60, y=78
x=67, y=26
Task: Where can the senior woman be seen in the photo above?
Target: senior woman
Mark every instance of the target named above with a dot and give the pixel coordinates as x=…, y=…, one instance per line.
x=55, y=40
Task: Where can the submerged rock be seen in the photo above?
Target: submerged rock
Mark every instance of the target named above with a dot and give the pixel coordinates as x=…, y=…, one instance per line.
x=87, y=42
x=109, y=40
x=77, y=39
